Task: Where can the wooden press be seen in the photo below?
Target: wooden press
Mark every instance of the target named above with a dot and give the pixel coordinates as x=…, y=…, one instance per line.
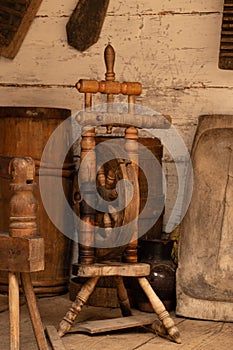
x=88, y=266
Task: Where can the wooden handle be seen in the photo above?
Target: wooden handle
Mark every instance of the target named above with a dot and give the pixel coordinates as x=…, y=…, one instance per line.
x=109, y=87
x=109, y=57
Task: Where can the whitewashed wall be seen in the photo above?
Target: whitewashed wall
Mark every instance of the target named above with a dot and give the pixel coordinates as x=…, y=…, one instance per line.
x=170, y=46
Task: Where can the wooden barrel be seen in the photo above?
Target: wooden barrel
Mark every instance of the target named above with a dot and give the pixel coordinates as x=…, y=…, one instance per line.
x=24, y=131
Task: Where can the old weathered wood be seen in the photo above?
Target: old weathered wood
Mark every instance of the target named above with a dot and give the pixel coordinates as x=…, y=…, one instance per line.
x=204, y=282
x=123, y=297
x=87, y=184
x=111, y=269
x=55, y=340
x=85, y=24
x=21, y=254
x=101, y=326
x=33, y=311
x=109, y=87
x=16, y=18
x=22, y=228
x=160, y=310
x=226, y=45
x=157, y=121
x=14, y=310
x=131, y=147
x=81, y=298
x=19, y=128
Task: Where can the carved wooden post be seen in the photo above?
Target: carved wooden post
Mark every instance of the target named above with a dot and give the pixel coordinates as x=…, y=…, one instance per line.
x=23, y=208
x=131, y=147
x=88, y=188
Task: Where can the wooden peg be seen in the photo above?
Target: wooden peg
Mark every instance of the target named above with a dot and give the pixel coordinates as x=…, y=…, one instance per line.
x=109, y=57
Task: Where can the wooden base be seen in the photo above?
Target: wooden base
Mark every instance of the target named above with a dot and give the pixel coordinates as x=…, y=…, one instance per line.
x=95, y=271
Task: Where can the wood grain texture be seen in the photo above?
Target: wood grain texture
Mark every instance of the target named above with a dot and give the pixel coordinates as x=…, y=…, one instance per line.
x=204, y=283
x=111, y=269
x=85, y=24
x=21, y=254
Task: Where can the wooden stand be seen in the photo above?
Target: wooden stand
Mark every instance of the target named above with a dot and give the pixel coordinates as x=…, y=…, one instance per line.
x=87, y=266
x=22, y=252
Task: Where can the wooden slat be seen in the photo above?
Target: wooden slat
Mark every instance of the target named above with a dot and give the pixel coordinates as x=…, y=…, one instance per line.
x=55, y=340
x=101, y=326
x=111, y=269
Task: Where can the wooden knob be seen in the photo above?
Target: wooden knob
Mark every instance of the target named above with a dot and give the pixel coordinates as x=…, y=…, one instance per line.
x=109, y=57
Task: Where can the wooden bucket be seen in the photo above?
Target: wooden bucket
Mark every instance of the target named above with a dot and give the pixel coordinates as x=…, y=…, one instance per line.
x=24, y=131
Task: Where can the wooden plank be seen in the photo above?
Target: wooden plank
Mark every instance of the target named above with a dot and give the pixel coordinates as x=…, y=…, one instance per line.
x=56, y=341
x=21, y=254
x=101, y=326
x=204, y=335
x=111, y=269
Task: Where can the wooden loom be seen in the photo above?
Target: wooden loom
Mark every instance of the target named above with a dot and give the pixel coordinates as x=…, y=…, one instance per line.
x=88, y=265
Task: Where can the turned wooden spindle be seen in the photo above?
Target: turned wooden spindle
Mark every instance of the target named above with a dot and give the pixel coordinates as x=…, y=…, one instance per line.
x=77, y=305
x=109, y=57
x=87, y=186
x=23, y=209
x=131, y=147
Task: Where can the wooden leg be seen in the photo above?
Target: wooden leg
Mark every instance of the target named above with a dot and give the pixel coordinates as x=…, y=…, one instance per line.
x=34, y=312
x=160, y=310
x=123, y=297
x=14, y=310
x=77, y=305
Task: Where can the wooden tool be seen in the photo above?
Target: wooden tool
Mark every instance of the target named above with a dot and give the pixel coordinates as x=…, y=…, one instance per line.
x=226, y=45
x=16, y=18
x=22, y=252
x=88, y=267
x=85, y=24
